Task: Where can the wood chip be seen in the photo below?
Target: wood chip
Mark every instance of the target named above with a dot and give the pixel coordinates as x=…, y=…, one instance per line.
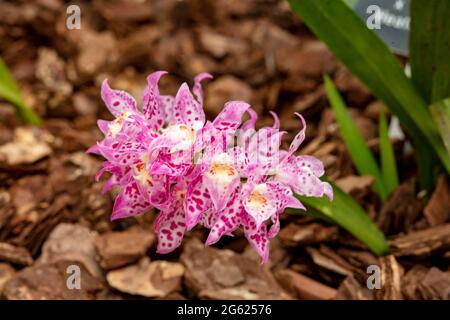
x=411, y=281
x=72, y=242
x=435, y=285
x=6, y=273
x=437, y=210
x=148, y=279
x=401, y=210
x=302, y=287
x=391, y=277
x=296, y=235
x=14, y=254
x=327, y=259
x=117, y=249
x=224, y=89
x=350, y=289
x=223, y=274
x=352, y=184
x=422, y=243
x=49, y=282
x=26, y=148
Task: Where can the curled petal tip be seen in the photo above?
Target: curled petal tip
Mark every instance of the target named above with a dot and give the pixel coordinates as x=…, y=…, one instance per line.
x=156, y=74
x=203, y=76
x=276, y=120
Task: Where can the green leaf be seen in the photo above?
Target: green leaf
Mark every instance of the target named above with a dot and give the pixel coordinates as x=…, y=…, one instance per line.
x=361, y=155
x=430, y=48
x=348, y=214
x=367, y=56
x=351, y=3
x=388, y=163
x=441, y=114
x=10, y=91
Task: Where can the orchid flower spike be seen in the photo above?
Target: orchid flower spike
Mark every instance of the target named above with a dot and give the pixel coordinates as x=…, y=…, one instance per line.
x=222, y=174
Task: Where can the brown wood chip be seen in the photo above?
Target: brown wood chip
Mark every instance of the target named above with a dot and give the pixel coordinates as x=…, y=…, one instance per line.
x=302, y=287
x=437, y=210
x=14, y=254
x=296, y=235
x=117, y=249
x=391, y=277
x=401, y=210
x=422, y=243
x=435, y=285
x=351, y=289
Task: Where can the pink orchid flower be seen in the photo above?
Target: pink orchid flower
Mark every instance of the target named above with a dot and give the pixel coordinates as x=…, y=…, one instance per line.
x=167, y=156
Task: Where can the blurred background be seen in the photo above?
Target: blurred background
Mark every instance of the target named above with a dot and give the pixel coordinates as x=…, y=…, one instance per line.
x=52, y=212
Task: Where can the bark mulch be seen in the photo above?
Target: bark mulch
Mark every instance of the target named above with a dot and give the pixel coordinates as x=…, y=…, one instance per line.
x=52, y=212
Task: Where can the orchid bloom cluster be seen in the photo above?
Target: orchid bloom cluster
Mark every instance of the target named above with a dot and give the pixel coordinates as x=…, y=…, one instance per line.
x=222, y=174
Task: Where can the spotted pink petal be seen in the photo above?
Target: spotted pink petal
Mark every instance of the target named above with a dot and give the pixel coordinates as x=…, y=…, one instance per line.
x=303, y=181
x=230, y=118
x=264, y=147
x=167, y=103
x=198, y=201
x=124, y=154
x=153, y=108
x=276, y=120
x=228, y=220
x=250, y=123
x=282, y=196
x=109, y=184
x=93, y=149
x=312, y=163
x=197, y=90
x=117, y=101
x=257, y=237
x=299, y=138
x=129, y=202
x=186, y=110
x=170, y=228
x=204, y=137
x=103, y=125
x=171, y=164
x=240, y=160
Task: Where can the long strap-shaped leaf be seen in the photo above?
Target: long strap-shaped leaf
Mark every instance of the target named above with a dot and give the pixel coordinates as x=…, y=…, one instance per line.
x=366, y=55
x=441, y=114
x=347, y=213
x=10, y=92
x=430, y=48
x=361, y=155
x=387, y=156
